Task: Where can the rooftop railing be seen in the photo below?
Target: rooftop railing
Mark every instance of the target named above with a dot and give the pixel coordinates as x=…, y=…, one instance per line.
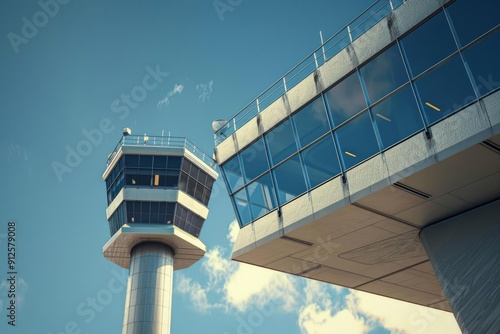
x=329, y=48
x=161, y=141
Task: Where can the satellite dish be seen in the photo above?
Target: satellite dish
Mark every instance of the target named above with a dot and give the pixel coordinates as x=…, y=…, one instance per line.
x=218, y=124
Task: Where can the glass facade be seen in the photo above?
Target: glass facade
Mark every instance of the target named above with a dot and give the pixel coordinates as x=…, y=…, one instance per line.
x=158, y=171
x=153, y=171
x=447, y=62
x=144, y=212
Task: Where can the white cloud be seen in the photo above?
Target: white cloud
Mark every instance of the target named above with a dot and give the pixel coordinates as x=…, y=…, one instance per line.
x=205, y=90
x=254, y=286
x=313, y=319
x=321, y=315
x=234, y=229
x=197, y=295
x=240, y=286
x=402, y=317
x=166, y=100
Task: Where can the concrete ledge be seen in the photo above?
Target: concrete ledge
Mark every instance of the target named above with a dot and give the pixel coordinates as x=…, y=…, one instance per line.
x=409, y=14
x=297, y=213
x=247, y=133
x=407, y=157
x=187, y=249
x=302, y=93
x=368, y=177
x=227, y=149
x=492, y=105
x=373, y=41
x=274, y=114
x=460, y=131
x=335, y=68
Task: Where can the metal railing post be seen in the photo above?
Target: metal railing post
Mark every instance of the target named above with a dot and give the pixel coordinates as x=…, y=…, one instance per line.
x=284, y=84
x=322, y=46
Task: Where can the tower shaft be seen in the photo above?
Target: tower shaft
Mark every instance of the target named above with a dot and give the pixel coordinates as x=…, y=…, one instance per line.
x=148, y=301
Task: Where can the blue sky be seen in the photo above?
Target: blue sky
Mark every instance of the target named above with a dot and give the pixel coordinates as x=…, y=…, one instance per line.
x=187, y=63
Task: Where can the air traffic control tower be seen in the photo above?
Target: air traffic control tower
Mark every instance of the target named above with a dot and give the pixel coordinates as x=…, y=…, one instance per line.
x=158, y=190
x=374, y=164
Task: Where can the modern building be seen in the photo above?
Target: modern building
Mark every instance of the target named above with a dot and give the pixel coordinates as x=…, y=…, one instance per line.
x=158, y=190
x=374, y=164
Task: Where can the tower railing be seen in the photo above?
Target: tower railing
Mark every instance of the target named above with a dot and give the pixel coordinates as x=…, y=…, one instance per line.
x=333, y=45
x=161, y=141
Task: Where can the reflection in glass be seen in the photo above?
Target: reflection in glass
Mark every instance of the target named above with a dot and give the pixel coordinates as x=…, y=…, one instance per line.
x=346, y=99
x=290, y=180
x=281, y=142
x=254, y=160
x=444, y=90
x=357, y=140
x=483, y=62
x=397, y=117
x=471, y=19
x=232, y=171
x=320, y=161
x=311, y=122
x=241, y=202
x=384, y=73
x=429, y=44
x=262, y=197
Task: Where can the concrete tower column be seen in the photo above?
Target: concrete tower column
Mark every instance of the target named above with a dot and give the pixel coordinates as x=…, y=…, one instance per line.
x=148, y=301
x=465, y=253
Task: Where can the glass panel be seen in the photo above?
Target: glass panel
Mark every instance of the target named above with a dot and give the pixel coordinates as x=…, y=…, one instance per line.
x=206, y=196
x=186, y=165
x=254, y=160
x=346, y=99
x=160, y=161
x=320, y=161
x=232, y=171
x=483, y=62
x=444, y=90
x=429, y=44
x=174, y=162
x=397, y=117
x=311, y=122
x=357, y=140
x=154, y=217
x=209, y=183
x=198, y=192
x=146, y=161
x=281, y=142
x=183, y=181
x=384, y=73
x=240, y=199
x=471, y=19
x=193, y=172
x=262, y=197
x=143, y=177
x=171, y=179
x=191, y=186
x=132, y=161
x=202, y=177
x=290, y=179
